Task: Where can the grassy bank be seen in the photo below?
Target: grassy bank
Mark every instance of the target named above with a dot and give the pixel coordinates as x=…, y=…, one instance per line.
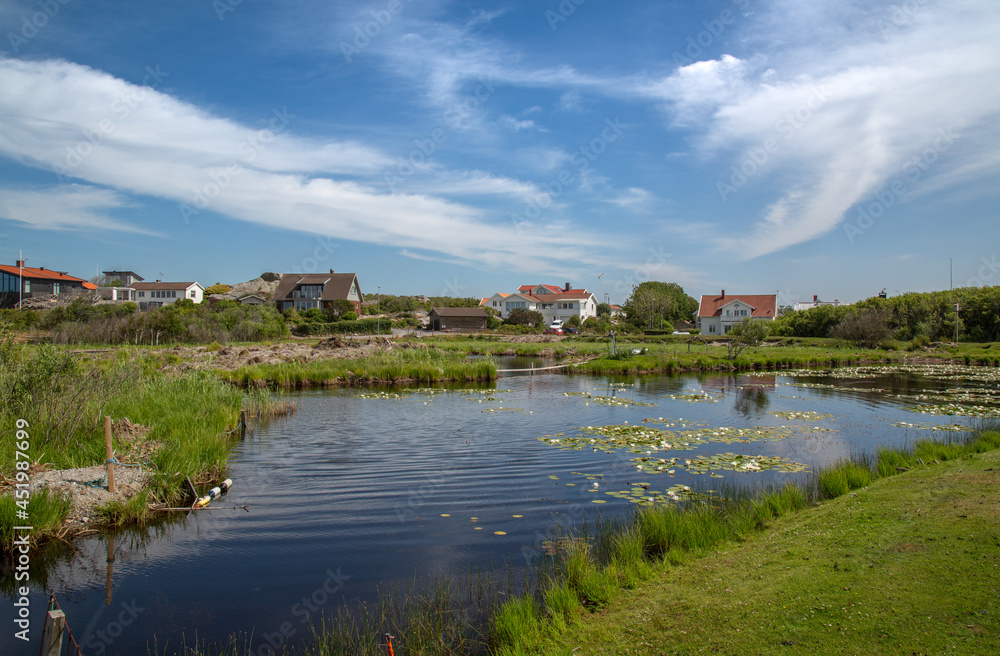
x=764, y=573
x=395, y=367
x=178, y=426
x=673, y=353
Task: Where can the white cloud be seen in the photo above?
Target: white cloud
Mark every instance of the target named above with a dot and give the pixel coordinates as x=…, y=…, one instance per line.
x=169, y=149
x=65, y=207
x=632, y=198
x=845, y=109
x=848, y=91
x=516, y=125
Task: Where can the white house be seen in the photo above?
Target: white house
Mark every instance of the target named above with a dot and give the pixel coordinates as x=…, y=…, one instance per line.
x=117, y=293
x=157, y=294
x=554, y=303
x=808, y=305
x=717, y=314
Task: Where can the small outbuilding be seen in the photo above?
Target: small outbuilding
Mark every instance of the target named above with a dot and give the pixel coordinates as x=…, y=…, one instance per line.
x=458, y=319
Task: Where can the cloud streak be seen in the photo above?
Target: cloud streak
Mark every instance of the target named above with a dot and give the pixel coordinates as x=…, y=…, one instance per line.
x=153, y=144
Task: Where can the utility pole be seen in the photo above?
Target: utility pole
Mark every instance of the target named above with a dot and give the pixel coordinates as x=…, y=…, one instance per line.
x=378, y=311
x=951, y=275
x=20, y=278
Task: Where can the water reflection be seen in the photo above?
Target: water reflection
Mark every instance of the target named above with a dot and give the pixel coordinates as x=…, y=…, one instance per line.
x=752, y=400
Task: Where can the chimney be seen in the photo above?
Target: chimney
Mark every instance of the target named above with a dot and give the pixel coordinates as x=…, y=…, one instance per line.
x=815, y=298
x=331, y=270
x=19, y=264
x=566, y=289
x=158, y=281
x=723, y=293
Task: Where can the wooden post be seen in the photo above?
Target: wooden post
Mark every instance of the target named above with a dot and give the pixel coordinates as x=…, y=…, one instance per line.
x=52, y=637
x=243, y=423
x=110, y=454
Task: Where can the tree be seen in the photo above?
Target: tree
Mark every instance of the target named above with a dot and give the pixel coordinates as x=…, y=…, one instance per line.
x=652, y=303
x=749, y=332
x=337, y=309
x=603, y=308
x=865, y=329
x=524, y=317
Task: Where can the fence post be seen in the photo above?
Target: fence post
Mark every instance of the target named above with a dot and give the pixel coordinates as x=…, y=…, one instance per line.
x=110, y=454
x=52, y=637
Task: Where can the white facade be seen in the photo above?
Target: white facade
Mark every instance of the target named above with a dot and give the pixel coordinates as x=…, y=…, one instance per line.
x=116, y=293
x=731, y=314
x=157, y=294
x=553, y=307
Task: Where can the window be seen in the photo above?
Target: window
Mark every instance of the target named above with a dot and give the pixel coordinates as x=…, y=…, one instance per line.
x=142, y=294
x=55, y=288
x=193, y=294
x=711, y=328
x=308, y=291
x=513, y=305
x=27, y=286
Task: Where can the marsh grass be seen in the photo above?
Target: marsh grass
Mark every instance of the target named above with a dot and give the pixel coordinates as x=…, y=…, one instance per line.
x=408, y=366
x=190, y=420
x=46, y=508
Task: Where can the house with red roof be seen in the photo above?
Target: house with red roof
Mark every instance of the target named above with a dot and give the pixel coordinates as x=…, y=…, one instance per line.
x=18, y=282
x=556, y=304
x=718, y=314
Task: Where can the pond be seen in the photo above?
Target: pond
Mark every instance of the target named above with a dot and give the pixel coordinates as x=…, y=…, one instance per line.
x=361, y=489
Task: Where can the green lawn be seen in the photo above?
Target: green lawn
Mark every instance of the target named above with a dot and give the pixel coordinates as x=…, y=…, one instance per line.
x=908, y=565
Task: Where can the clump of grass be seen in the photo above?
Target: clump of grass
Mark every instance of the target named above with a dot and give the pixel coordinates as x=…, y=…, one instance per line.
x=842, y=478
x=134, y=510
x=46, y=508
x=517, y=622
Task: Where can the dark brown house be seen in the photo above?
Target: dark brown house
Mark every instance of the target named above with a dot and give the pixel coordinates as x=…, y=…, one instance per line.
x=305, y=291
x=19, y=282
x=458, y=319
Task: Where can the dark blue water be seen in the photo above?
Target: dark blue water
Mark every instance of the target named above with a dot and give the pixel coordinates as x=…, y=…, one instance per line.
x=351, y=493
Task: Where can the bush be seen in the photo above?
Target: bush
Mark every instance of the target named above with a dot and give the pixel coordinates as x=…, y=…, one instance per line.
x=864, y=329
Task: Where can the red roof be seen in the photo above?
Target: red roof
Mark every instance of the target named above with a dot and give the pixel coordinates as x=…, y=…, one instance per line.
x=562, y=296
x=554, y=289
x=39, y=274
x=763, y=305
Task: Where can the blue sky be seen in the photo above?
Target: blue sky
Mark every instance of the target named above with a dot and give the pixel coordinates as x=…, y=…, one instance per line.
x=826, y=147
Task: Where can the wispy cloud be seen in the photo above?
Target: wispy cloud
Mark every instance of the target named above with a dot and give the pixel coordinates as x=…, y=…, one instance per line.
x=264, y=174
x=66, y=207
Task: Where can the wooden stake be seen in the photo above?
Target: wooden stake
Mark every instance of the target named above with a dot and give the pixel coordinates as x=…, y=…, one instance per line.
x=52, y=637
x=110, y=454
